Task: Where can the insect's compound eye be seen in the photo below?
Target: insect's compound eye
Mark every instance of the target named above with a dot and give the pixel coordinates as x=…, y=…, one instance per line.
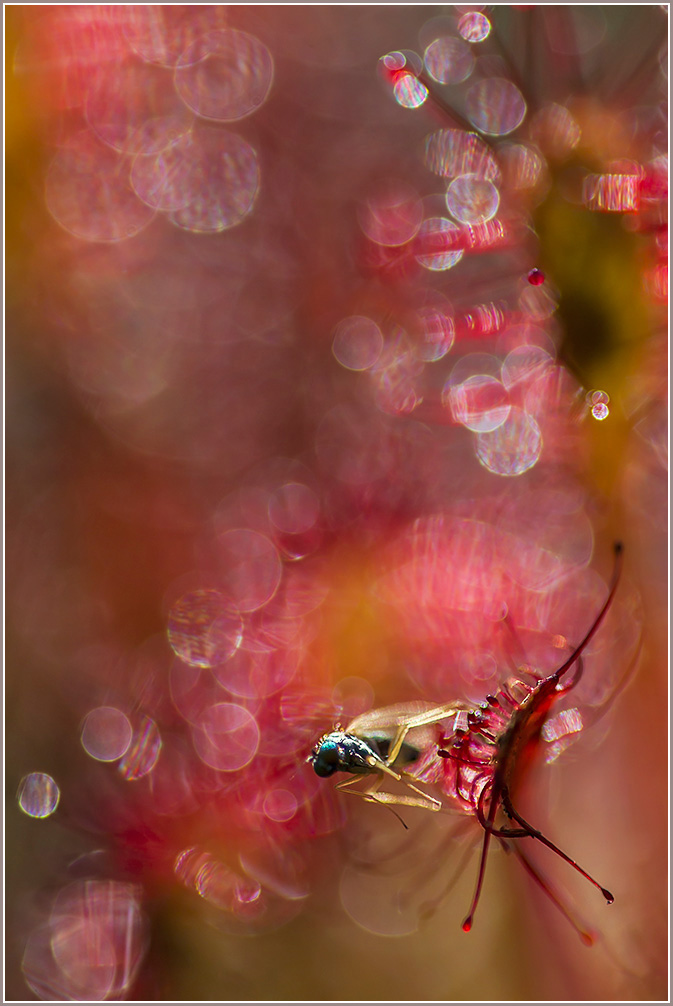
x=326, y=760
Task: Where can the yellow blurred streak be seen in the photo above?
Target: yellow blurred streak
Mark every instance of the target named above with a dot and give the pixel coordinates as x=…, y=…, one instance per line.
x=356, y=634
x=596, y=264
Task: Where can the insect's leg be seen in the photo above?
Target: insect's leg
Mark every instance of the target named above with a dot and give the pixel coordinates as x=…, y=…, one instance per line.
x=534, y=833
x=587, y=937
x=399, y=799
x=428, y=800
x=345, y=783
x=370, y=794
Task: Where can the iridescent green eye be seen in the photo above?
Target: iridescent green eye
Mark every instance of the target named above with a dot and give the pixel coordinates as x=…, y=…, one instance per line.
x=326, y=760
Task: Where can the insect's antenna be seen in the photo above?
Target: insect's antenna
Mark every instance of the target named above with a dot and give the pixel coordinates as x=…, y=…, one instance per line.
x=392, y=811
x=619, y=550
x=534, y=833
x=586, y=937
x=487, y=824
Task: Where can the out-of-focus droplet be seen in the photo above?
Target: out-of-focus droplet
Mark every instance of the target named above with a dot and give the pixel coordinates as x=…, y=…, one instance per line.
x=512, y=448
x=106, y=733
x=161, y=180
x=92, y=945
x=224, y=75
x=143, y=752
x=204, y=627
x=474, y=27
x=435, y=330
x=600, y=411
x=293, y=508
x=251, y=568
x=612, y=193
x=556, y=131
x=472, y=200
x=436, y=230
x=280, y=805
x=453, y=152
x=409, y=91
x=38, y=795
x=524, y=363
x=392, y=216
x=222, y=175
x=448, y=60
x=357, y=343
x=226, y=737
x=88, y=192
x=161, y=33
x=480, y=403
x=521, y=165
x=495, y=106
x=124, y=103
x=258, y=673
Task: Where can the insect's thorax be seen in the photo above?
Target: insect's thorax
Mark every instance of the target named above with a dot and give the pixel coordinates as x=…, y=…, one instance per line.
x=345, y=752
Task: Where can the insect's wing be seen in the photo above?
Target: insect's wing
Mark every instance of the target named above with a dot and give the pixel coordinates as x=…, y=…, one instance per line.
x=389, y=719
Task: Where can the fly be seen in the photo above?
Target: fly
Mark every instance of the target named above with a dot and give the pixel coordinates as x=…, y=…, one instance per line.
x=375, y=746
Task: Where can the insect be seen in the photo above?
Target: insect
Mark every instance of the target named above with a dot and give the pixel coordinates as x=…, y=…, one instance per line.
x=493, y=746
x=375, y=745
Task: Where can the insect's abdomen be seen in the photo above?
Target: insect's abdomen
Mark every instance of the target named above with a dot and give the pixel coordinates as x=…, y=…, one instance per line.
x=408, y=753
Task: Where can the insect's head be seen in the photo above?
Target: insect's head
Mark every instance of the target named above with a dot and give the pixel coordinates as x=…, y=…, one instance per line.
x=326, y=756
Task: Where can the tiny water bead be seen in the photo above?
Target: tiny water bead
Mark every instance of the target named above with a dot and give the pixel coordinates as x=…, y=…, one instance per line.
x=536, y=277
x=38, y=795
x=598, y=402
